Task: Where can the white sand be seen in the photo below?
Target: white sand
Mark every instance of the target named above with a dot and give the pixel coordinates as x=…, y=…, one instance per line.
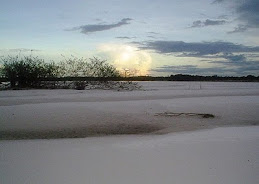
x=218, y=156
x=231, y=103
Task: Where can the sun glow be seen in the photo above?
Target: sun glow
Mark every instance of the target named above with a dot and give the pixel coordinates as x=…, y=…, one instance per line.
x=125, y=56
x=127, y=59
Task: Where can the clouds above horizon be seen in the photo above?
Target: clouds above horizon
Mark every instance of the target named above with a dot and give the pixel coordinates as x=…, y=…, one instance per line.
x=246, y=12
x=91, y=28
x=244, y=69
x=194, y=48
x=125, y=37
x=213, y=33
x=225, y=57
x=207, y=22
x=190, y=69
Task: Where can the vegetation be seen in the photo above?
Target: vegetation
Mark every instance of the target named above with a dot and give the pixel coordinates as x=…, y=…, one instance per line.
x=31, y=71
x=81, y=73
x=181, y=77
x=80, y=85
x=26, y=71
x=80, y=67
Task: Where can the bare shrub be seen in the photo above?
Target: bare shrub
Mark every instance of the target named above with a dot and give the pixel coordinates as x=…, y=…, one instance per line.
x=81, y=67
x=26, y=71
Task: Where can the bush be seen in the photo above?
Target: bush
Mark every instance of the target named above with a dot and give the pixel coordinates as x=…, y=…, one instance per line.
x=81, y=67
x=26, y=71
x=34, y=72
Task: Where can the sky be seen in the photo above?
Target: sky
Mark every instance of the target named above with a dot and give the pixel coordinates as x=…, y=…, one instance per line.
x=143, y=37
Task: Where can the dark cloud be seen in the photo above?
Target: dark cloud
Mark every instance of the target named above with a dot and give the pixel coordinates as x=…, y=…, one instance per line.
x=240, y=67
x=194, y=49
x=239, y=29
x=197, y=23
x=234, y=58
x=239, y=61
x=235, y=63
x=207, y=22
x=86, y=29
x=229, y=58
x=246, y=12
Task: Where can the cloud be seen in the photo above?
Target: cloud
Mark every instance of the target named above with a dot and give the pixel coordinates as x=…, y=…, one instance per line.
x=240, y=67
x=228, y=58
x=20, y=50
x=207, y=22
x=197, y=23
x=154, y=33
x=239, y=29
x=238, y=61
x=217, y=1
x=246, y=12
x=194, y=49
x=223, y=17
x=127, y=57
x=190, y=69
x=125, y=37
x=234, y=58
x=245, y=69
x=90, y=28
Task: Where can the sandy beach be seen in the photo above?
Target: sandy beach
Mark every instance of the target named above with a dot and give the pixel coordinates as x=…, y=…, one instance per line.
x=220, y=155
x=37, y=114
x=164, y=148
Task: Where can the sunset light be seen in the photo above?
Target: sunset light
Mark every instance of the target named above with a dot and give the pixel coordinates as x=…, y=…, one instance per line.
x=129, y=91
x=127, y=57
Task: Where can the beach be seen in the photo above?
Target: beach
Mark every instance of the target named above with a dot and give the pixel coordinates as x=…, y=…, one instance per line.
x=36, y=114
x=167, y=132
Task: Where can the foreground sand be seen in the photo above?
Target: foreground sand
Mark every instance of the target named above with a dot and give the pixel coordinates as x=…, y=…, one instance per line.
x=218, y=156
x=31, y=114
x=221, y=155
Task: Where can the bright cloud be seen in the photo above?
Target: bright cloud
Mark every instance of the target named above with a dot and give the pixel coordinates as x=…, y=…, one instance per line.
x=127, y=59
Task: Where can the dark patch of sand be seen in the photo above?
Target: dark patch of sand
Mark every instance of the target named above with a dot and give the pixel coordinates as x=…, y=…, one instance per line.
x=90, y=131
